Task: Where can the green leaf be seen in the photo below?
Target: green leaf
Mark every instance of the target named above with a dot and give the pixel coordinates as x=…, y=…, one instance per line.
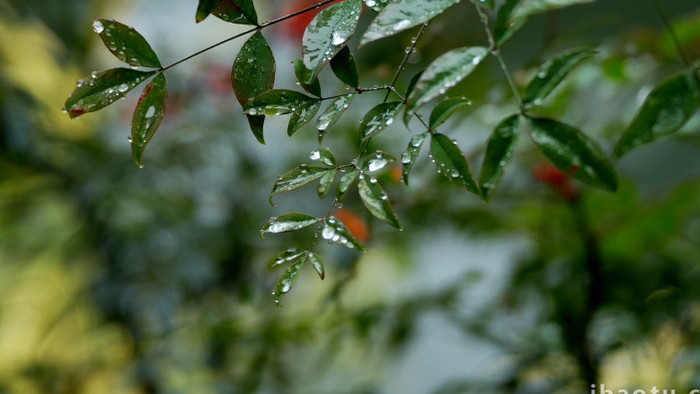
x=148, y=115
x=411, y=85
x=573, y=152
x=335, y=232
x=665, y=110
x=485, y=3
x=344, y=67
x=344, y=184
x=291, y=255
x=324, y=185
x=408, y=158
x=327, y=34
x=102, y=89
x=303, y=74
x=376, y=5
x=553, y=72
x=252, y=74
x=237, y=11
x=288, y=222
x=126, y=43
x=276, y=102
x=505, y=27
x=302, y=115
x=445, y=109
x=317, y=262
x=443, y=73
x=499, y=151
x=378, y=119
x=451, y=162
x=297, y=178
x=324, y=155
x=376, y=200
x=331, y=115
x=287, y=280
x=401, y=15
x=377, y=161
x=205, y=8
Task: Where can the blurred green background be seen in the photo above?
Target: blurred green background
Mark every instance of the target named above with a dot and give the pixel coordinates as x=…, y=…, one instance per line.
x=115, y=279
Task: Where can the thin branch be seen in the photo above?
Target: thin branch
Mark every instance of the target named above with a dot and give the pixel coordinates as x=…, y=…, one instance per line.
x=674, y=36
x=410, y=51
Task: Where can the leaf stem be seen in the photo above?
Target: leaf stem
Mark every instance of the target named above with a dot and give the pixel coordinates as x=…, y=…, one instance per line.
x=410, y=51
x=257, y=28
x=674, y=37
x=359, y=90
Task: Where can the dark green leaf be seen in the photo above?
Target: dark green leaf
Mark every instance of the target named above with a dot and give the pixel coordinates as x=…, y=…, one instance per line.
x=401, y=15
x=323, y=155
x=344, y=184
x=126, y=43
x=303, y=74
x=256, y=124
x=297, y=178
x=302, y=115
x=451, y=162
x=665, y=110
x=331, y=115
x=408, y=158
x=288, y=222
x=378, y=119
x=376, y=5
x=376, y=200
x=344, y=67
x=276, y=102
x=485, y=3
x=334, y=231
x=324, y=185
x=102, y=89
x=499, y=151
x=327, y=34
x=443, y=73
x=205, y=8
x=377, y=161
x=317, y=262
x=573, y=152
x=288, y=256
x=505, y=26
x=553, y=72
x=411, y=85
x=148, y=115
x=287, y=280
x=237, y=11
x=514, y=14
x=445, y=109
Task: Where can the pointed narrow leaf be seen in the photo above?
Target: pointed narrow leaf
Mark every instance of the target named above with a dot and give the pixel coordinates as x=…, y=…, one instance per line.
x=376, y=200
x=317, y=262
x=102, y=89
x=445, y=109
x=451, y=162
x=276, y=102
x=407, y=115
x=324, y=155
x=505, y=26
x=377, y=161
x=379, y=118
x=335, y=232
x=237, y=11
x=344, y=184
x=344, y=67
x=256, y=124
x=205, y=8
x=302, y=115
x=303, y=74
x=443, y=73
x=148, y=115
x=408, y=158
x=328, y=32
x=499, y=151
x=573, y=152
x=287, y=280
x=331, y=115
x=324, y=185
x=288, y=222
x=126, y=43
x=297, y=178
x=665, y=110
x=376, y=5
x=291, y=255
x=514, y=14
x=553, y=72
x=401, y=15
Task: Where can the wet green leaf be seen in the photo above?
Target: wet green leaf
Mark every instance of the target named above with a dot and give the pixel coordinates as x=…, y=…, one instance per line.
x=334, y=231
x=324, y=155
x=205, y=8
x=297, y=178
x=291, y=255
x=102, y=89
x=303, y=74
x=499, y=151
x=236, y=11
x=553, y=72
x=148, y=115
x=331, y=115
x=573, y=152
x=317, y=262
x=376, y=5
x=665, y=110
x=126, y=43
x=451, y=162
x=411, y=85
x=378, y=119
x=287, y=280
x=276, y=102
x=443, y=73
x=288, y=222
x=376, y=200
x=344, y=184
x=257, y=124
x=344, y=67
x=327, y=34
x=445, y=109
x=409, y=157
x=324, y=185
x=377, y=161
x=302, y=115
x=505, y=27
x=401, y=15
